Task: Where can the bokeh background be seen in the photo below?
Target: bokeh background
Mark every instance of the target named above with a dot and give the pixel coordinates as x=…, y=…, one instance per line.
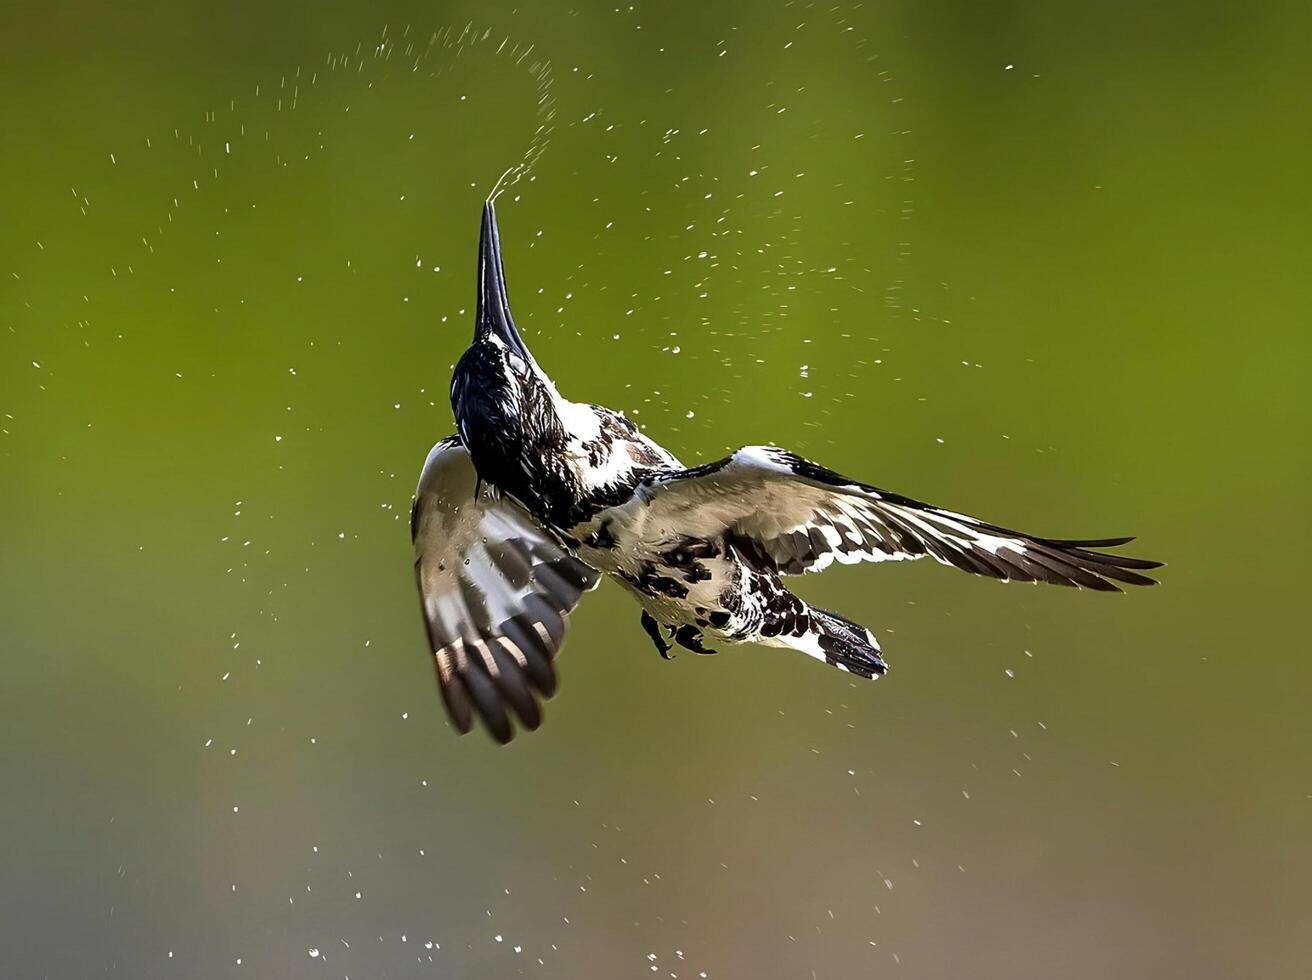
x=1043, y=262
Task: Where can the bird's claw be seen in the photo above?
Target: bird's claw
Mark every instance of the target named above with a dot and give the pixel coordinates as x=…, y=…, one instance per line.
x=653, y=629
x=690, y=637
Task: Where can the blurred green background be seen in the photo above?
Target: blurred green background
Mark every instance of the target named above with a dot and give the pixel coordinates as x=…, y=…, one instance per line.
x=1043, y=262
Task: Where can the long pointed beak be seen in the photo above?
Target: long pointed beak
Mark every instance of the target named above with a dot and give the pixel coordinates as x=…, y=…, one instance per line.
x=492, y=315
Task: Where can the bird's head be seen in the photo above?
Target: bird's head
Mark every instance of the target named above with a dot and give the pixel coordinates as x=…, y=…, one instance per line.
x=499, y=393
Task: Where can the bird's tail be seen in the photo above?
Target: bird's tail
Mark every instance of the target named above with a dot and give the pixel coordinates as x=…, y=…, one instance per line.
x=843, y=643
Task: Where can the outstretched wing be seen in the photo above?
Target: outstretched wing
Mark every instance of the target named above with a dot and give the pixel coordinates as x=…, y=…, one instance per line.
x=790, y=514
x=496, y=590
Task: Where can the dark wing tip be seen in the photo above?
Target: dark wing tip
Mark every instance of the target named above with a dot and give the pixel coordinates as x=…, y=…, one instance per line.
x=500, y=678
x=1102, y=566
x=1090, y=542
x=508, y=673
x=488, y=702
x=455, y=697
x=499, y=673
x=1123, y=568
x=1081, y=548
x=537, y=653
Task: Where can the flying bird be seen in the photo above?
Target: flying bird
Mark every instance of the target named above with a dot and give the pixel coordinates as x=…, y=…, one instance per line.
x=536, y=497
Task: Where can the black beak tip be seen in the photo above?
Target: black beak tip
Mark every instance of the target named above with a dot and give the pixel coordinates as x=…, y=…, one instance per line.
x=493, y=312
x=489, y=243
x=491, y=273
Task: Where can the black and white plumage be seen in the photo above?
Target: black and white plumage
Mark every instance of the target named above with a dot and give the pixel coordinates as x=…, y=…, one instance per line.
x=537, y=497
x=497, y=590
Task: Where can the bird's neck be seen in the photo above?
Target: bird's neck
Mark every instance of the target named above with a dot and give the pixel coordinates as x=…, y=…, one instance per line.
x=510, y=421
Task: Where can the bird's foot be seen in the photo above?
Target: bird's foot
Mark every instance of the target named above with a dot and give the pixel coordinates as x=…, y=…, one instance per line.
x=653, y=629
x=690, y=637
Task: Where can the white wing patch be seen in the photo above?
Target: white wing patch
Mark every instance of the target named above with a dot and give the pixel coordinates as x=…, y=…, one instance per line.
x=796, y=516
x=496, y=590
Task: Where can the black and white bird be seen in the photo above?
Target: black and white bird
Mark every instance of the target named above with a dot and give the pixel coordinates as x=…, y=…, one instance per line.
x=537, y=497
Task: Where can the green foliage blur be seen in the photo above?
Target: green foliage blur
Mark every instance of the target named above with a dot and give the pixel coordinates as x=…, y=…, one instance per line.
x=1046, y=263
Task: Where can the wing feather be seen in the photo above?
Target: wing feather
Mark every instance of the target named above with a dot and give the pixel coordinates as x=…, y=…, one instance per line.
x=496, y=589
x=801, y=517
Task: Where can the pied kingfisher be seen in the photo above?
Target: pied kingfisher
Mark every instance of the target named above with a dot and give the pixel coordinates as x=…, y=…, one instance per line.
x=537, y=497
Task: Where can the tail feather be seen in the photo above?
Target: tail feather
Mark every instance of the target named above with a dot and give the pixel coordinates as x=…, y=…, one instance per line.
x=846, y=645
